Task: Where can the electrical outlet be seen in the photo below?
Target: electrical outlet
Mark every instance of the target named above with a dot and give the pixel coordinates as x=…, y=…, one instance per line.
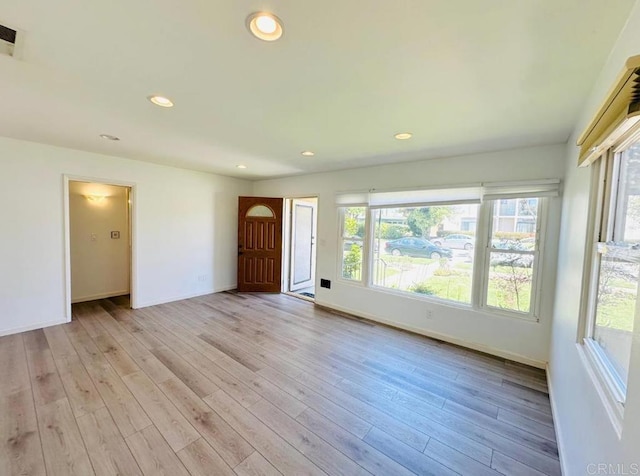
x=202, y=277
x=325, y=283
x=429, y=314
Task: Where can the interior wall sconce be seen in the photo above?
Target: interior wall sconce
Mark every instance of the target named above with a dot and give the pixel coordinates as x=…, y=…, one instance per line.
x=95, y=198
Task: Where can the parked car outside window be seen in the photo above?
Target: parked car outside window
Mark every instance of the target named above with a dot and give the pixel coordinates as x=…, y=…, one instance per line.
x=458, y=242
x=416, y=247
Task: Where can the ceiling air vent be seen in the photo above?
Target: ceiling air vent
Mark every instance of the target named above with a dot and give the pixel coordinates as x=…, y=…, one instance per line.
x=7, y=41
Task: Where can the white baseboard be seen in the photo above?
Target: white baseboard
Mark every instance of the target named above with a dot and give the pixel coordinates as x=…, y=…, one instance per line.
x=444, y=337
x=40, y=325
x=95, y=297
x=222, y=289
x=556, y=423
x=186, y=296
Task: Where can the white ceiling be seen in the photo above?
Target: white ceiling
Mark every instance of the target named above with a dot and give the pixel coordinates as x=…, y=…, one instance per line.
x=464, y=76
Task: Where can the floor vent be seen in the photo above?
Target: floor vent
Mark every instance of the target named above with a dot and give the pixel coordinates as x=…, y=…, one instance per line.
x=7, y=41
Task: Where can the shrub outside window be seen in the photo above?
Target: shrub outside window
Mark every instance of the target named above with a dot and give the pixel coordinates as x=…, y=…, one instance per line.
x=352, y=242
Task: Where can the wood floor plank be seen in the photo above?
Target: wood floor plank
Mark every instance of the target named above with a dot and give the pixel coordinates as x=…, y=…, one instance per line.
x=473, y=448
x=116, y=355
x=410, y=458
x=82, y=393
x=360, y=452
x=59, y=342
x=508, y=466
x=402, y=431
x=190, y=376
x=13, y=371
x=62, y=444
x=85, y=314
x=107, y=449
x=287, y=403
x=274, y=448
x=45, y=380
x=224, y=380
x=326, y=407
x=433, y=429
x=308, y=443
x=127, y=413
x=169, y=421
x=84, y=345
x=20, y=449
x=222, y=437
x=153, y=454
x=256, y=465
x=202, y=460
x=146, y=338
x=455, y=460
x=517, y=434
x=532, y=426
x=135, y=349
x=232, y=352
x=145, y=319
x=542, y=461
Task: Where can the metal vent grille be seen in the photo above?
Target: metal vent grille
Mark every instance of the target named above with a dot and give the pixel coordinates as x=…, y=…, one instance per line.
x=7, y=34
x=7, y=40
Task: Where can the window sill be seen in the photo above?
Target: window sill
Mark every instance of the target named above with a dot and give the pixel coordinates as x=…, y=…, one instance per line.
x=421, y=297
x=607, y=388
x=496, y=311
x=455, y=304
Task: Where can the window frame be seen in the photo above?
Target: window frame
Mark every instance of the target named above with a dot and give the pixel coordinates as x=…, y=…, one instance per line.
x=604, y=207
x=448, y=302
x=481, y=256
x=538, y=260
x=364, y=270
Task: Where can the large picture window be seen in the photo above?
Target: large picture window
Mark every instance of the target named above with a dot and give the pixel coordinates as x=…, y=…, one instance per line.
x=422, y=250
x=475, y=246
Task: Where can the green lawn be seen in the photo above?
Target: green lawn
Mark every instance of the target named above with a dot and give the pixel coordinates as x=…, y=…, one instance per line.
x=454, y=287
x=616, y=305
x=617, y=310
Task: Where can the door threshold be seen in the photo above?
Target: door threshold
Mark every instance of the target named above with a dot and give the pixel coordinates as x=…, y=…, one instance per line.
x=300, y=296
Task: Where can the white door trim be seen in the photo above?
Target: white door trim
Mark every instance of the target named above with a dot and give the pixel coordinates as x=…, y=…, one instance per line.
x=292, y=262
x=67, y=239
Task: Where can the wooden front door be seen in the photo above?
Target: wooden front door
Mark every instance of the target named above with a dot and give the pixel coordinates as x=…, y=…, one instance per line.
x=259, y=244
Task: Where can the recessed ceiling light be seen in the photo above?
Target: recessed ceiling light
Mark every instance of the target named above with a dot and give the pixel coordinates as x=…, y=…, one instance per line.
x=308, y=153
x=109, y=137
x=161, y=101
x=403, y=135
x=265, y=26
x=241, y=166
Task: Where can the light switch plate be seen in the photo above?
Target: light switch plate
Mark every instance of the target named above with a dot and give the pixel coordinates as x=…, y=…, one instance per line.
x=115, y=235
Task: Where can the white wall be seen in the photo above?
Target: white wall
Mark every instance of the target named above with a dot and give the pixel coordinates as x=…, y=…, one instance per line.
x=99, y=263
x=510, y=337
x=586, y=434
x=185, y=226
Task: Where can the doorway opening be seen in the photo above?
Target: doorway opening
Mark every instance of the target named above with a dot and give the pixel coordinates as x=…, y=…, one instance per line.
x=99, y=242
x=300, y=247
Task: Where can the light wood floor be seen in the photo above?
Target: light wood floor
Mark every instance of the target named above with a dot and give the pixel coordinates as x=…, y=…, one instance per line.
x=261, y=384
